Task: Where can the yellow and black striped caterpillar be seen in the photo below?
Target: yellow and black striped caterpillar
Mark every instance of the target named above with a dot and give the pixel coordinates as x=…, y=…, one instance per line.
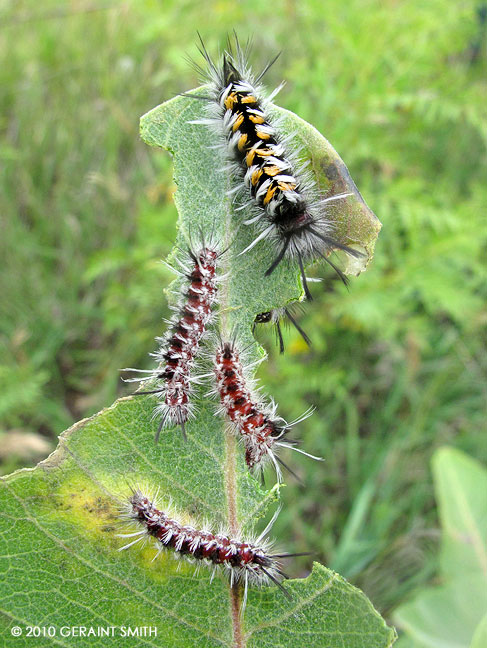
x=286, y=204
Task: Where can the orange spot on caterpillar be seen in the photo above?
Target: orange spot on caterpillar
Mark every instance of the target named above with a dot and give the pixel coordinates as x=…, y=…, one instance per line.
x=256, y=176
x=270, y=193
x=286, y=186
x=230, y=101
x=264, y=152
x=271, y=169
x=238, y=122
x=242, y=142
x=249, y=158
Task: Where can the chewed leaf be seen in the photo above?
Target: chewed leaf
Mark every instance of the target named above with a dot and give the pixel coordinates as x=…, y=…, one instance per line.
x=62, y=524
x=355, y=224
x=61, y=562
x=60, y=558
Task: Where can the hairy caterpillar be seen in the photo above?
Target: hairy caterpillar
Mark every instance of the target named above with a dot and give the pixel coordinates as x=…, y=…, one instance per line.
x=254, y=420
x=246, y=561
x=180, y=346
x=288, y=207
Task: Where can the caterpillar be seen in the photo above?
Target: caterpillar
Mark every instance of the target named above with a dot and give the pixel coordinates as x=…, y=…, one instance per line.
x=275, y=316
x=245, y=561
x=180, y=346
x=288, y=207
x=254, y=420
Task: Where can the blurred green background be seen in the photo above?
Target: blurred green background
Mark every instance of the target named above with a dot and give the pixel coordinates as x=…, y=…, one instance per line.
x=398, y=365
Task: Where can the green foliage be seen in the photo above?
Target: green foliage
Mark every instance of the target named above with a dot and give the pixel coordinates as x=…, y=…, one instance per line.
x=451, y=614
x=65, y=510
x=397, y=366
x=61, y=567
x=480, y=635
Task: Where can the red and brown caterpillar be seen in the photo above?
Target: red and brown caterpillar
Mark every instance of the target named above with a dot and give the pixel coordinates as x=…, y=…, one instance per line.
x=245, y=561
x=179, y=348
x=287, y=205
x=255, y=421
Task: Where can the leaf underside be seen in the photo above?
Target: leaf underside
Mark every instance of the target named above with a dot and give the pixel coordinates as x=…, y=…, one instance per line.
x=60, y=563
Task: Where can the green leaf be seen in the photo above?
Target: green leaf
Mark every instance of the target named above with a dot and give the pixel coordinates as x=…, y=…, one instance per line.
x=355, y=224
x=480, y=635
x=461, y=492
x=446, y=616
x=60, y=563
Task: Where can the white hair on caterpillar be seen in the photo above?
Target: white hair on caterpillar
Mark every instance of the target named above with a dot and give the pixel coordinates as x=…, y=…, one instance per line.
x=254, y=418
x=173, y=379
x=248, y=561
x=266, y=167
